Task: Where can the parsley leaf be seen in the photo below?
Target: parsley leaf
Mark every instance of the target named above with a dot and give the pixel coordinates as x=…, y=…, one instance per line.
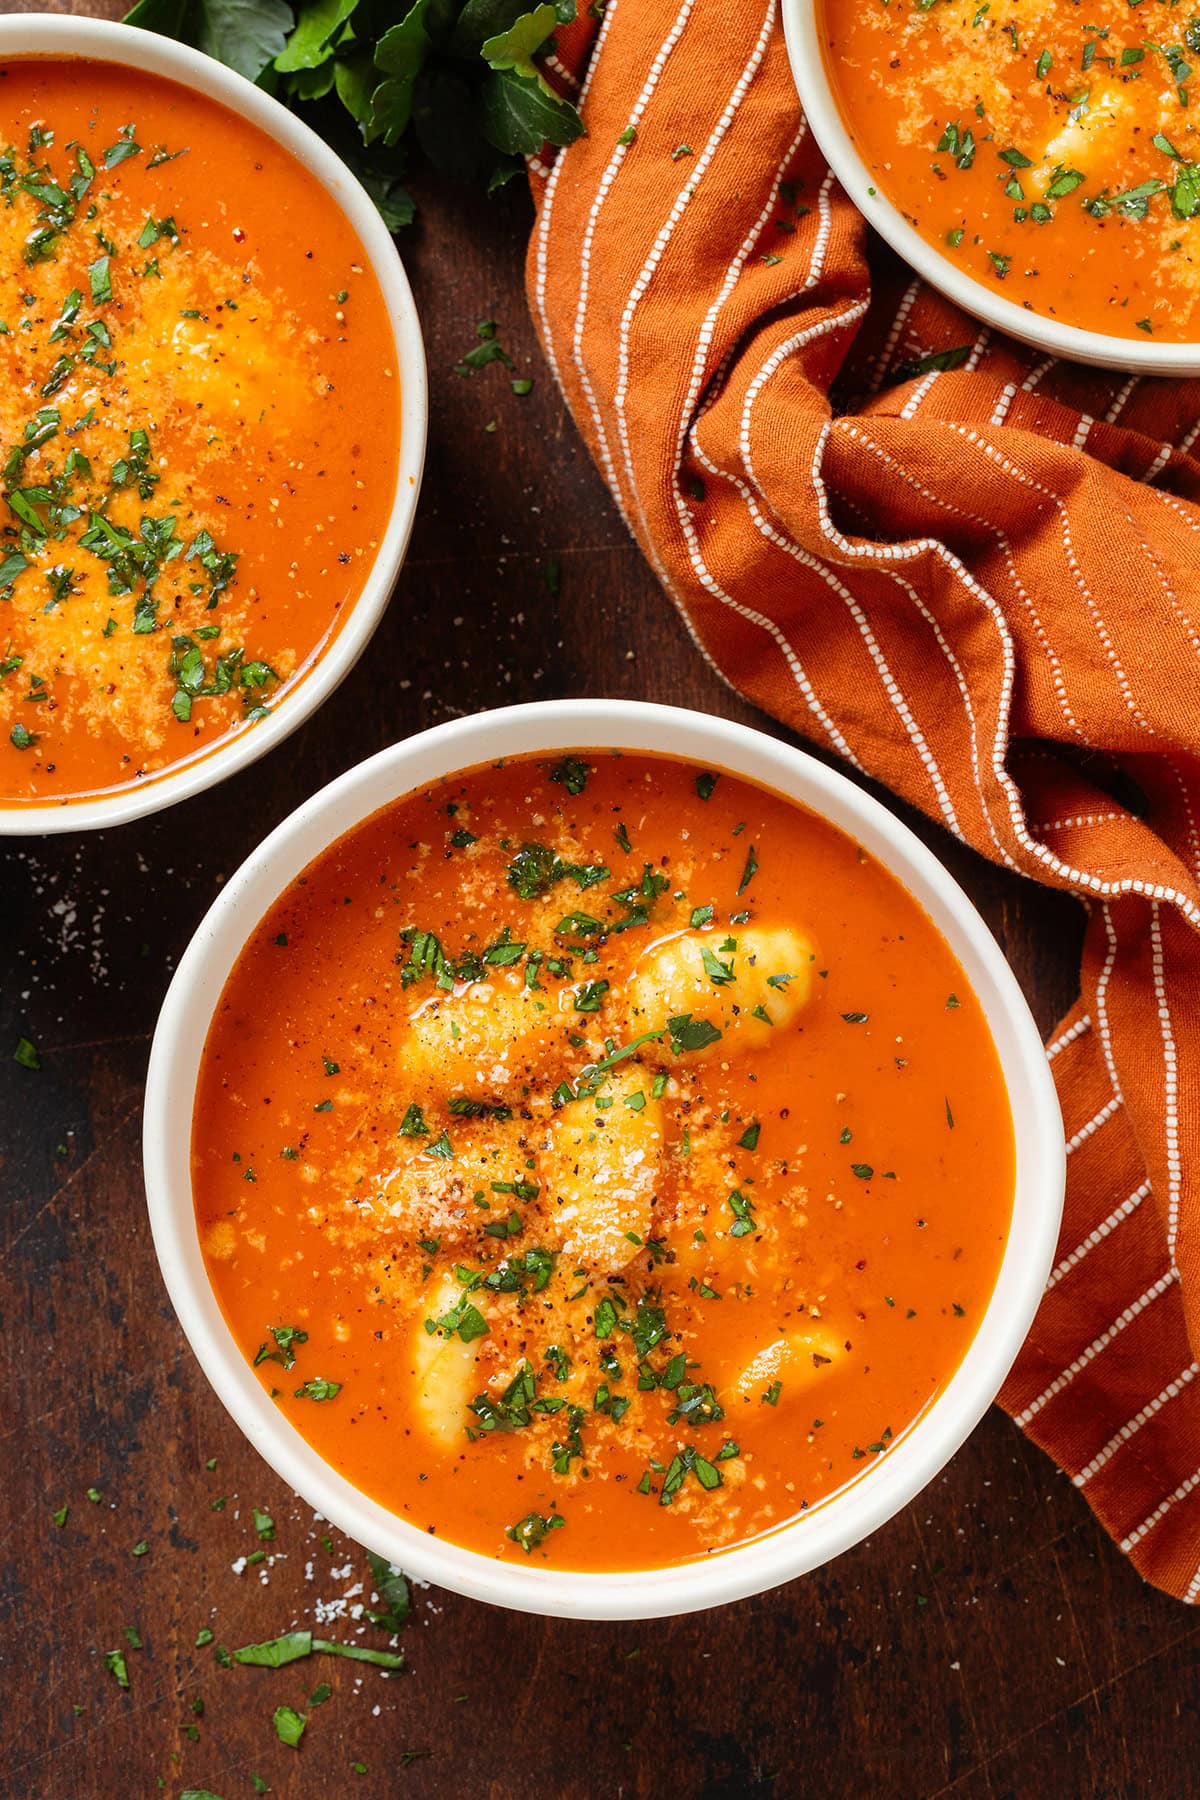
x=571, y=773
x=393, y=1592
x=533, y=1528
x=320, y=1389
x=245, y=34
x=688, y=1033
x=458, y=84
x=289, y=1725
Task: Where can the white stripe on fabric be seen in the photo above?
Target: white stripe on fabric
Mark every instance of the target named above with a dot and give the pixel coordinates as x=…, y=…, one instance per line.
x=1096, y=1236
x=1056, y=674
x=888, y=681
x=1110, y=958
x=663, y=239
x=1000, y=460
x=918, y=394
x=541, y=265
x=1168, y=590
x=1080, y=819
x=1159, y=1513
x=884, y=360
x=1118, y=405
x=1193, y=836
x=1098, y=1345
x=561, y=70
x=795, y=667
x=911, y=548
x=1134, y=1425
x=729, y=282
x=963, y=686
x=968, y=704
x=1034, y=377
x=911, y=405
x=1170, y=1080
x=1094, y=1123
x=542, y=229
x=1069, y=1036
x=1159, y=464
x=717, y=380
x=639, y=289
x=607, y=180
x=886, y=553
x=1007, y=396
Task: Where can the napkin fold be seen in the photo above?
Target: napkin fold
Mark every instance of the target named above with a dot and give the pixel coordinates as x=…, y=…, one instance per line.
x=978, y=584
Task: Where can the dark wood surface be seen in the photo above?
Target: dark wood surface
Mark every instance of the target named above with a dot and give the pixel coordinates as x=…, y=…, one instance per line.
x=989, y=1642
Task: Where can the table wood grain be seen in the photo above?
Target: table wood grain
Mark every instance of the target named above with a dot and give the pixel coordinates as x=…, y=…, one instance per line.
x=989, y=1642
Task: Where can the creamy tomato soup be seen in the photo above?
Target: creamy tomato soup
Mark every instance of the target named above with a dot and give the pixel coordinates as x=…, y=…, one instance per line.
x=1052, y=151
x=600, y=1159
x=199, y=425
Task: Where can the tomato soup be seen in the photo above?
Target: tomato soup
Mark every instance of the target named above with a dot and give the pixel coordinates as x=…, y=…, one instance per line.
x=199, y=425
x=600, y=1159
x=1048, y=150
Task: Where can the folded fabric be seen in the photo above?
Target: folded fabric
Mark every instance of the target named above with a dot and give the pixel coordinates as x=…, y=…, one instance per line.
x=978, y=585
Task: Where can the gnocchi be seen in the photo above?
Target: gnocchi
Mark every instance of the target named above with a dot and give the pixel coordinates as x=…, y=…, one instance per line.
x=600, y=1170
x=750, y=982
x=444, y=1369
x=796, y=1359
x=483, y=1041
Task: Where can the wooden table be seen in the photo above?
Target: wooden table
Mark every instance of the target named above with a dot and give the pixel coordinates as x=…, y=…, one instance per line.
x=989, y=1642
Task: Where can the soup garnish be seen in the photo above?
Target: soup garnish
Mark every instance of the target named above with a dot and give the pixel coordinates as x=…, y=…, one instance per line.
x=600, y=1160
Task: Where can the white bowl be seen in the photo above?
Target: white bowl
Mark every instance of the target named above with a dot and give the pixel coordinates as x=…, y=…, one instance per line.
x=838, y=146
x=25, y=35
x=714, y=743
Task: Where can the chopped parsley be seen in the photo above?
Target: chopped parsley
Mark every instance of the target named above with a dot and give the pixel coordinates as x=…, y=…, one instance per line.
x=533, y=1529
x=319, y=1389
x=689, y=1033
x=117, y=1667
x=572, y=774
x=286, y=1336
x=590, y=997
x=743, y=1214
x=289, y=1725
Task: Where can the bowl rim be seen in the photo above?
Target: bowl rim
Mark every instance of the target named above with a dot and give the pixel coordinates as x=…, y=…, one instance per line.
x=838, y=146
x=28, y=36
x=916, y=1456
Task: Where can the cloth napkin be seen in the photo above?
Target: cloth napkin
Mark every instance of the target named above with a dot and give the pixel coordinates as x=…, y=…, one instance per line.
x=980, y=585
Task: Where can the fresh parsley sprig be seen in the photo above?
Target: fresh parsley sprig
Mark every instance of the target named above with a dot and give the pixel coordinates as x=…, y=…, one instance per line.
x=460, y=82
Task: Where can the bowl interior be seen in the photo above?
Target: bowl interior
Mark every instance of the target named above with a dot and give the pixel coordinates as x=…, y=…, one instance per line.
x=810, y=72
x=55, y=35
x=910, y=1463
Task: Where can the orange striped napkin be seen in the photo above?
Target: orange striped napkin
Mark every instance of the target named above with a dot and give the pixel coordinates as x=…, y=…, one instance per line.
x=978, y=586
